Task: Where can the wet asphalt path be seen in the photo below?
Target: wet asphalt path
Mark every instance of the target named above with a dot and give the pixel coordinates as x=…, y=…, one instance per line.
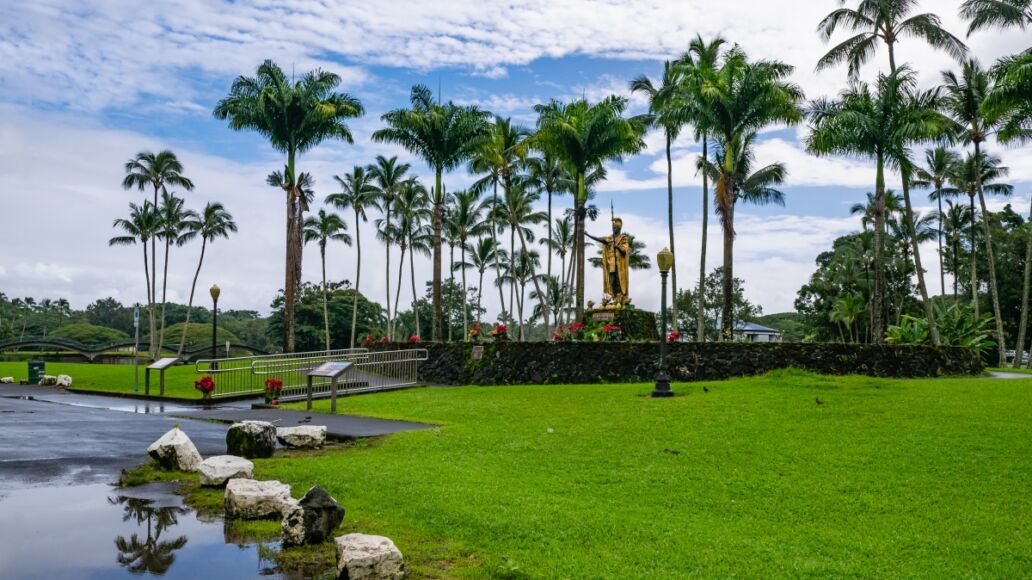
x=52, y=443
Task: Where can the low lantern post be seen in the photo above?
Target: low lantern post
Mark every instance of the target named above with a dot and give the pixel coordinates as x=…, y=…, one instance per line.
x=215, y=291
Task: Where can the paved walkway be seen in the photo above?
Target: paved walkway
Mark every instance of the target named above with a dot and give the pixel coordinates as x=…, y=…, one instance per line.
x=1005, y=375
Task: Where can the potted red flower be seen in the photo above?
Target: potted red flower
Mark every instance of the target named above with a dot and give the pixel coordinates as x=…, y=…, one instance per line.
x=613, y=332
x=673, y=337
x=414, y=339
x=474, y=332
x=205, y=385
x=273, y=388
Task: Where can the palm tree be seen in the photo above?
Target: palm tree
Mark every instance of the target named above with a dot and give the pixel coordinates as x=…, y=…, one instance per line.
x=1011, y=97
x=964, y=101
x=546, y=173
x=1019, y=348
x=846, y=309
x=500, y=158
x=322, y=229
x=158, y=170
x=174, y=229
x=732, y=171
x=878, y=124
x=444, y=136
x=387, y=176
x=212, y=223
x=892, y=205
x=939, y=162
x=554, y=300
x=583, y=136
x=955, y=220
x=521, y=270
x=294, y=116
x=877, y=21
x=141, y=226
x=358, y=194
x=561, y=241
x=517, y=212
x=745, y=97
x=699, y=66
x=996, y=14
x=480, y=257
x=411, y=231
x=667, y=112
x=467, y=219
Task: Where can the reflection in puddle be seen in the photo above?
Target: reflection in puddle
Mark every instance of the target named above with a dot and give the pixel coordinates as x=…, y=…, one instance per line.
x=97, y=531
x=152, y=554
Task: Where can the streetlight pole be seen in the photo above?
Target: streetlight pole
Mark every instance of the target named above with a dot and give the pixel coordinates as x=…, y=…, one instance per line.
x=665, y=260
x=215, y=291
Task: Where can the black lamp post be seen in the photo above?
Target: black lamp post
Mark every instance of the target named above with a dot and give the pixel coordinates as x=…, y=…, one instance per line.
x=214, y=319
x=665, y=260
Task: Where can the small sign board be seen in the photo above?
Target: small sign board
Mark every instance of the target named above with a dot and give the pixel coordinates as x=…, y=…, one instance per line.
x=478, y=352
x=330, y=369
x=600, y=316
x=163, y=363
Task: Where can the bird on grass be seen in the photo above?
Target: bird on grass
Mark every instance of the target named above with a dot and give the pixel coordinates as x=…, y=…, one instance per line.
x=705, y=389
x=672, y=451
x=819, y=401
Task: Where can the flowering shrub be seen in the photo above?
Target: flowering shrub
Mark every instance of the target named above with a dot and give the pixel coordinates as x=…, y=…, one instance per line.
x=674, y=336
x=368, y=340
x=384, y=340
x=273, y=387
x=475, y=331
x=500, y=332
x=205, y=385
x=612, y=332
x=414, y=339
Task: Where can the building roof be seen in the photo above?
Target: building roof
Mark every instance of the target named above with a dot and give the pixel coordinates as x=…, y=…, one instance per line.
x=753, y=327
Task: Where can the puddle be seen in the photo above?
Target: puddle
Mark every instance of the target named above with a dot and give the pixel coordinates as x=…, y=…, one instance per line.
x=100, y=531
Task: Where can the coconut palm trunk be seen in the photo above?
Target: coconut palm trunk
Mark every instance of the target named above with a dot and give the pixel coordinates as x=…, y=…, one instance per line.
x=387, y=271
x=164, y=288
x=670, y=228
x=480, y=294
x=494, y=236
x=578, y=227
x=993, y=290
x=451, y=280
x=1022, y=325
x=933, y=328
x=358, y=278
x=325, y=295
x=877, y=301
x=465, y=292
x=438, y=310
x=938, y=235
x=974, y=252
x=189, y=304
x=415, y=299
x=153, y=298
x=397, y=294
x=543, y=301
x=700, y=313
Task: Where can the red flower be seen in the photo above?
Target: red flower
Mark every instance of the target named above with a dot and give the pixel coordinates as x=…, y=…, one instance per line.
x=576, y=327
x=674, y=336
x=368, y=340
x=205, y=384
x=273, y=385
x=414, y=338
x=612, y=328
x=385, y=340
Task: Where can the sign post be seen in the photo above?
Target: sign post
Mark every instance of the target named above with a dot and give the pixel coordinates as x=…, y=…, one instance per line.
x=328, y=370
x=136, y=351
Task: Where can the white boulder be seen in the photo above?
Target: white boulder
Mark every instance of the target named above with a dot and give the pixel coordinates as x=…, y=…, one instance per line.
x=251, y=499
x=64, y=381
x=216, y=471
x=7, y=380
x=361, y=556
x=174, y=450
x=48, y=380
x=307, y=436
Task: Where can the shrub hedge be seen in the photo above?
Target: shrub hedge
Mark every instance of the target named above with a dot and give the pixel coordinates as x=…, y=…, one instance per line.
x=616, y=362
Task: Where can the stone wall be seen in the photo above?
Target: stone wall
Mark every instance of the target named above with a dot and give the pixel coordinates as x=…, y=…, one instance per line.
x=619, y=362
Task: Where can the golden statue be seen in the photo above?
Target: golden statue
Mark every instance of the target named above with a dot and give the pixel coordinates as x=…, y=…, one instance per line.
x=616, y=253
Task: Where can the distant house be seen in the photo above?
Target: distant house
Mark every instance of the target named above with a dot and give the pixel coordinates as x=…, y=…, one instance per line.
x=752, y=332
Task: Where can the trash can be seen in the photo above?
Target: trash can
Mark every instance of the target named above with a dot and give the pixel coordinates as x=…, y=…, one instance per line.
x=36, y=372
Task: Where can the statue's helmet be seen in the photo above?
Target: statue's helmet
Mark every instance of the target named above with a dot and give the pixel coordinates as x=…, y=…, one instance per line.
x=618, y=222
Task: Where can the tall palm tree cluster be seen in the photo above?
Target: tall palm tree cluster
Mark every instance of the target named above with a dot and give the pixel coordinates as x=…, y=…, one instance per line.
x=166, y=220
x=884, y=120
x=504, y=229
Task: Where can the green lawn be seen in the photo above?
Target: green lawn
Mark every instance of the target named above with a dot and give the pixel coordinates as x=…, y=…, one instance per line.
x=887, y=478
x=112, y=378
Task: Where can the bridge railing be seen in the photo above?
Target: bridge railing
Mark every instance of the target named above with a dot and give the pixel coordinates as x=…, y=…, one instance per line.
x=370, y=371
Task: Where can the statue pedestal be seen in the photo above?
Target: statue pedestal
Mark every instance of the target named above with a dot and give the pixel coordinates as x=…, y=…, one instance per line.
x=635, y=324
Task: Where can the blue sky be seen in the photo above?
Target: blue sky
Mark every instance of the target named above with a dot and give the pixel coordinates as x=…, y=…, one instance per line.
x=85, y=85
